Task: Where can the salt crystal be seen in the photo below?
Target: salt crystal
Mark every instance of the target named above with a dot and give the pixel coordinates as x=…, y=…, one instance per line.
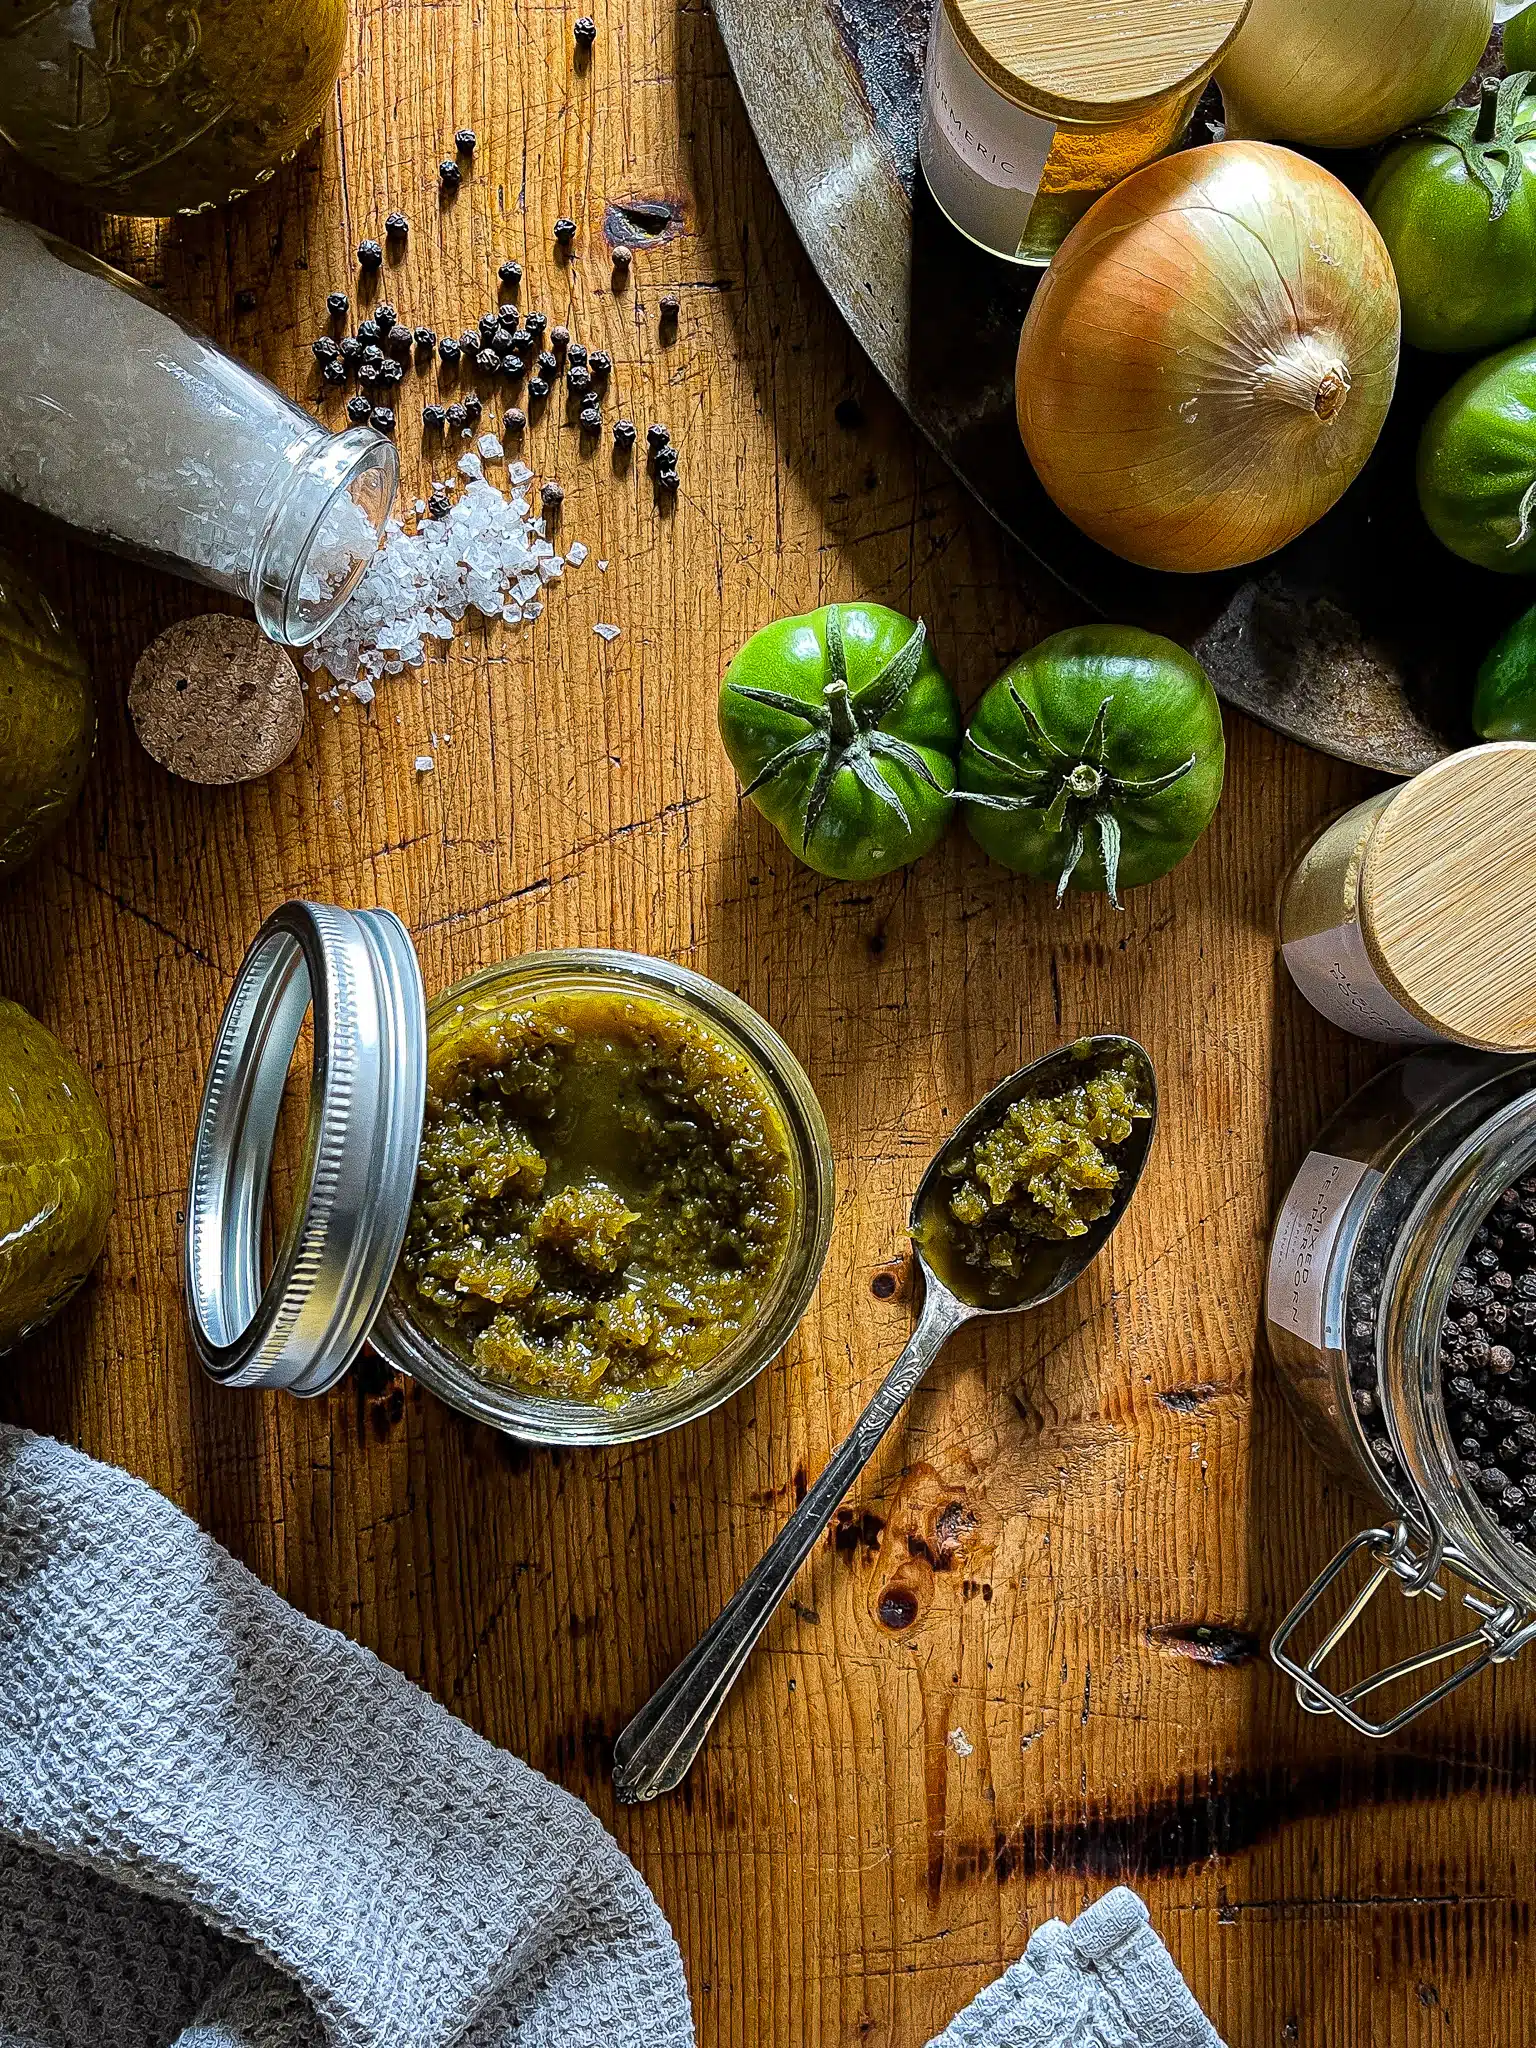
x=602, y=563
x=607, y=632
x=960, y=1742
x=424, y=764
x=490, y=447
x=363, y=692
x=577, y=553
x=520, y=473
x=469, y=466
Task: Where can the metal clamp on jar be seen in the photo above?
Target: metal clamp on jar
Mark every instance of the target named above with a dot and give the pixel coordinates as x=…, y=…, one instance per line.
x=1367, y=1245
x=336, y=1277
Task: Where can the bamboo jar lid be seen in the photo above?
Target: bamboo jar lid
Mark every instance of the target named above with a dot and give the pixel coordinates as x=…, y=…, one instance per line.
x=1094, y=61
x=1448, y=896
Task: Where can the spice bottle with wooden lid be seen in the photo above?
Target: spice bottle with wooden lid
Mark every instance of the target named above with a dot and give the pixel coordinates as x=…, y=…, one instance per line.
x=1033, y=108
x=1411, y=919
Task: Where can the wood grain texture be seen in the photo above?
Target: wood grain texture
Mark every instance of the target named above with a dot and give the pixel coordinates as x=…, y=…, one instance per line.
x=1098, y=1512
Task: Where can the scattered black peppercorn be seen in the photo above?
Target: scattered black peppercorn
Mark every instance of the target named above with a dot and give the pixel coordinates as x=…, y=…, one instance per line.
x=358, y=408
x=349, y=348
x=373, y=354
x=488, y=324
x=457, y=416
x=514, y=419
x=622, y=258
x=449, y=174
x=591, y=418
x=601, y=363
x=559, y=337
x=323, y=349
x=549, y=364
x=535, y=323
x=586, y=31
x=472, y=405
x=464, y=139
x=565, y=230
x=448, y=349
x=245, y=301
x=425, y=338
x=400, y=342
x=337, y=305
x=551, y=497
x=657, y=437
x=514, y=365
x=368, y=375
x=367, y=330
x=501, y=340
x=334, y=372
x=392, y=372
x=511, y=273
x=667, y=480
x=469, y=341
x=396, y=224
x=578, y=379
x=487, y=359
x=384, y=317
x=369, y=255
x=434, y=418
x=576, y=353
x=537, y=388
x=439, y=505
x=382, y=419
x=522, y=339
x=625, y=433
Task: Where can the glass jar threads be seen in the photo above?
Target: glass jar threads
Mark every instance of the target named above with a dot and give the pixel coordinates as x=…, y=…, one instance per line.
x=119, y=419
x=513, y=1246
x=1367, y=1260
x=1411, y=919
x=1033, y=108
x=163, y=106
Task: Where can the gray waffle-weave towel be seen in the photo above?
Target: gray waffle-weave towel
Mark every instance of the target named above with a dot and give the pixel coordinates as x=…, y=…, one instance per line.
x=1104, y=1982
x=224, y=1826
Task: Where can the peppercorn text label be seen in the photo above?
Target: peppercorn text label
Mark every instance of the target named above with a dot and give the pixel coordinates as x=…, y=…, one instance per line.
x=1302, y=1251
x=1333, y=971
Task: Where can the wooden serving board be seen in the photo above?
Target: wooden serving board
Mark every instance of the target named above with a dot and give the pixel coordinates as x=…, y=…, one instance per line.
x=1361, y=638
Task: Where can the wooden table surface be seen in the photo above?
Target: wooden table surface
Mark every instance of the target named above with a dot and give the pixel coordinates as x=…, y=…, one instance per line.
x=1101, y=1511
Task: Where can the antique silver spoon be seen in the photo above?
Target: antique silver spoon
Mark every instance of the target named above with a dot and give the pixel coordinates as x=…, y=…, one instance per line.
x=655, y=1751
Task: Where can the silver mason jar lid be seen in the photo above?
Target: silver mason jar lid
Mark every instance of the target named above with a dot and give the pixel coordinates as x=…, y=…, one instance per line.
x=359, y=972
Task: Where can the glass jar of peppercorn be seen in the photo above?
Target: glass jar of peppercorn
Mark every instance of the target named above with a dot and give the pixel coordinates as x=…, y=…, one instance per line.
x=1401, y=1312
x=159, y=106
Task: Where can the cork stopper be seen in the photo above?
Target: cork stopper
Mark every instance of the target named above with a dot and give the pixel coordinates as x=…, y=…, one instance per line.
x=1448, y=896
x=214, y=700
x=1095, y=61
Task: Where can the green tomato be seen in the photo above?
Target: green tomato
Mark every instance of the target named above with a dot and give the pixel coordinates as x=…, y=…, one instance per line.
x=1520, y=41
x=1456, y=206
x=1477, y=463
x=1095, y=761
x=844, y=732
x=1504, y=702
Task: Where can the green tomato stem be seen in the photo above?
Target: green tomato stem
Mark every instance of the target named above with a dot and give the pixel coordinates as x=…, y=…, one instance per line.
x=841, y=712
x=1487, y=111
x=1085, y=780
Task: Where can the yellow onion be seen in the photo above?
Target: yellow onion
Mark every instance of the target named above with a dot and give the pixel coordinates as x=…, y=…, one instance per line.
x=1342, y=74
x=1209, y=358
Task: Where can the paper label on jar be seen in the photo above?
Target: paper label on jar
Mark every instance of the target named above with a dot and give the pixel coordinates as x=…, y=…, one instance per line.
x=1302, y=1250
x=993, y=139
x=1333, y=971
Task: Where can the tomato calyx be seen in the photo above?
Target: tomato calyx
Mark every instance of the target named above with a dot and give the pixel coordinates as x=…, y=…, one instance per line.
x=845, y=729
x=1079, y=783
x=1488, y=136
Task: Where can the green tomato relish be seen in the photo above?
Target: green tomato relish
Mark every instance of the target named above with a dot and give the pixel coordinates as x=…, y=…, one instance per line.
x=1042, y=1173
x=604, y=1194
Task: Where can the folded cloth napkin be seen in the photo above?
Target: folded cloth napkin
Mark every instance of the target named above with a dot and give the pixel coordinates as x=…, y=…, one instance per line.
x=224, y=1826
x=1104, y=1982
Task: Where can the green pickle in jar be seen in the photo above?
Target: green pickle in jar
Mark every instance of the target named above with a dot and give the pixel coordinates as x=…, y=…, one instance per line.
x=47, y=717
x=57, y=1184
x=604, y=1194
x=165, y=106
x=1044, y=1172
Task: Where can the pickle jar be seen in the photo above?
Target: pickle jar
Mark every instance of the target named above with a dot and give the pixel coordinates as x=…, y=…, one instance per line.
x=1411, y=919
x=1369, y=1239
x=337, y=1279
x=1034, y=108
x=123, y=421
x=166, y=106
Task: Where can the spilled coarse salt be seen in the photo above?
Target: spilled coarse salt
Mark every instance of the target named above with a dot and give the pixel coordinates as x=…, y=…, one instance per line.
x=602, y=562
x=424, y=764
x=607, y=632
x=487, y=553
x=489, y=447
x=577, y=553
x=960, y=1742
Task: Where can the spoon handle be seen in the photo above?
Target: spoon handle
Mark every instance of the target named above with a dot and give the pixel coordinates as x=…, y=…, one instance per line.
x=654, y=1752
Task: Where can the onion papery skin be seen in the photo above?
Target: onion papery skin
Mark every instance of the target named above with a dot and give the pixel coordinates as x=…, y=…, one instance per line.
x=1343, y=74
x=1210, y=357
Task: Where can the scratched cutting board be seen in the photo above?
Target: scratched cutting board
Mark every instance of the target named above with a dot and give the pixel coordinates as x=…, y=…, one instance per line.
x=1361, y=638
